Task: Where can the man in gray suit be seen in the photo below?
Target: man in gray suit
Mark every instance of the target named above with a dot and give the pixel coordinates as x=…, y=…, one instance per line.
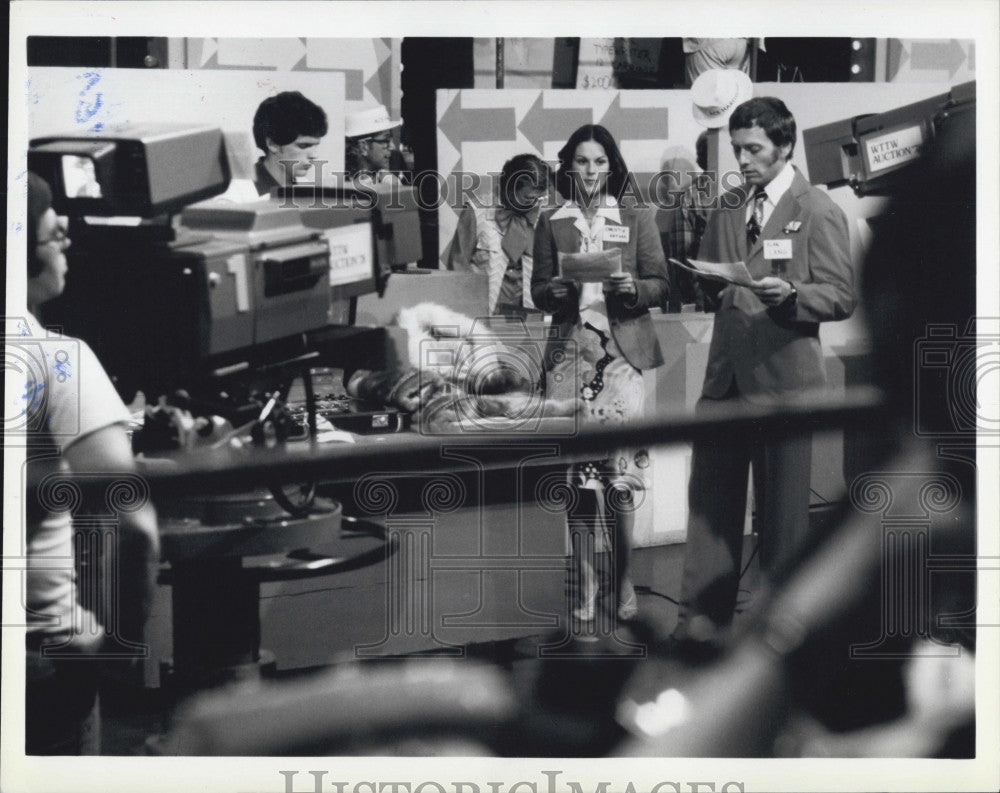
x=765, y=349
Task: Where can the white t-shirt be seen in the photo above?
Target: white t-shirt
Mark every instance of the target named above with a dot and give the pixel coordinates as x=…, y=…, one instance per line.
x=66, y=396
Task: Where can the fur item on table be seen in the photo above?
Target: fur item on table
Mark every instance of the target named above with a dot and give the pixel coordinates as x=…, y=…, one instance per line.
x=463, y=351
x=406, y=389
x=519, y=412
x=461, y=373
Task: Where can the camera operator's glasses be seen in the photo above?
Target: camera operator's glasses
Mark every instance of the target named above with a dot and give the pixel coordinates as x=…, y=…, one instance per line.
x=60, y=237
x=386, y=141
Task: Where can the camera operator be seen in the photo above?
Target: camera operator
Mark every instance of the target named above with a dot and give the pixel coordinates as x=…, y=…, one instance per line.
x=83, y=425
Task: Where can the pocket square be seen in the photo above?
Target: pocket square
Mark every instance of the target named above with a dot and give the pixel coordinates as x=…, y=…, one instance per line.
x=792, y=227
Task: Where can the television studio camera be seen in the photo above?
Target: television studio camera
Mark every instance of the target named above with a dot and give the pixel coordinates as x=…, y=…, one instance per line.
x=872, y=152
x=212, y=304
x=220, y=313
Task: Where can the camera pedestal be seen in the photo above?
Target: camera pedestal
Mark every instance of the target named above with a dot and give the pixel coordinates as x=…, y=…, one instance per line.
x=216, y=571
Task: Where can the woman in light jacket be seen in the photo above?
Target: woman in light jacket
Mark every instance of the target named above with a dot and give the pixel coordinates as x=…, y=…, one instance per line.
x=605, y=340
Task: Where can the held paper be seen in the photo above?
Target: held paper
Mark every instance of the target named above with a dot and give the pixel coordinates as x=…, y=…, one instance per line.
x=730, y=272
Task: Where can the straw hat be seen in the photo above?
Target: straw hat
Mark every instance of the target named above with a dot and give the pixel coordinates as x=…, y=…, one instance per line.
x=368, y=122
x=716, y=93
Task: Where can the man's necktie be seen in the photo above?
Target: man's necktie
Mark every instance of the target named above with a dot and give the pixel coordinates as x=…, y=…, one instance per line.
x=756, y=221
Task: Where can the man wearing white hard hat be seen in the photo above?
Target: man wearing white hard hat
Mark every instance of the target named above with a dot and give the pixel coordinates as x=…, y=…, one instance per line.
x=765, y=349
x=369, y=145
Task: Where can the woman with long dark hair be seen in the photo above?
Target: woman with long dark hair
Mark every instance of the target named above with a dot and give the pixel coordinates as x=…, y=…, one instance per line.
x=604, y=341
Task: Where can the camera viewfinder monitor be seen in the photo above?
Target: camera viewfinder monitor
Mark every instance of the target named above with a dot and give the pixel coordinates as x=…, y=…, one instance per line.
x=140, y=171
x=79, y=177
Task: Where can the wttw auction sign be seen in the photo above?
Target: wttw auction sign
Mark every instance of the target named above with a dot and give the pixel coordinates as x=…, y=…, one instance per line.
x=895, y=148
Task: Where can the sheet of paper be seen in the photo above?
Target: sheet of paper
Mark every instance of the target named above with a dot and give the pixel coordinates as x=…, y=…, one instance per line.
x=730, y=272
x=592, y=267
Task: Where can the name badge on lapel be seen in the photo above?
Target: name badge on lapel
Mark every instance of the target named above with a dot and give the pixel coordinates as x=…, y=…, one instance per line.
x=616, y=233
x=777, y=249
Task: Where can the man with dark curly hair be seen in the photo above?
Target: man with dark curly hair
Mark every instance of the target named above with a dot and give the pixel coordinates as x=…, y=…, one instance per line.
x=288, y=128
